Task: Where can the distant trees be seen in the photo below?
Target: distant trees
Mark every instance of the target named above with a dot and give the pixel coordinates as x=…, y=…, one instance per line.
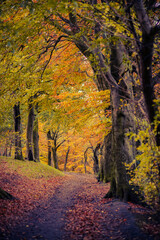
x=95, y=158
x=54, y=143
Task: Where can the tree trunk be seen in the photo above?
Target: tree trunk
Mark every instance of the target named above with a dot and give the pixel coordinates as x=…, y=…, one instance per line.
x=95, y=159
x=36, y=138
x=106, y=162
x=122, y=122
x=119, y=153
x=146, y=61
x=10, y=150
x=66, y=159
x=5, y=195
x=147, y=81
x=55, y=158
x=85, y=161
x=17, y=125
x=50, y=163
x=30, y=124
x=5, y=153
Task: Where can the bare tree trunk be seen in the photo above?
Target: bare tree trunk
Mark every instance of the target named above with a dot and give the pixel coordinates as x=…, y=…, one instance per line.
x=30, y=155
x=85, y=161
x=95, y=159
x=66, y=159
x=50, y=163
x=5, y=153
x=55, y=158
x=17, y=125
x=10, y=150
x=122, y=122
x=106, y=162
x=36, y=138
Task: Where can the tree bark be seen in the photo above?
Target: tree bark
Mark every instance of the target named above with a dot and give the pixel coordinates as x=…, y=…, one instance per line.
x=50, y=163
x=66, y=159
x=55, y=158
x=17, y=126
x=36, y=137
x=122, y=122
x=30, y=155
x=106, y=161
x=96, y=160
x=85, y=161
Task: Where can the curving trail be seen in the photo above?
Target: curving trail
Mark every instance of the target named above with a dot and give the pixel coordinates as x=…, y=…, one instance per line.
x=78, y=211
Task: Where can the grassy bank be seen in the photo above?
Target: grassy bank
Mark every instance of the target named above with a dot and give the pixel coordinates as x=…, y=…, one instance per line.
x=30, y=169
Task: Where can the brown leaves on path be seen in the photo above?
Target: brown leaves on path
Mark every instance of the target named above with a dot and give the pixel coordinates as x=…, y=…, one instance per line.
x=83, y=219
x=92, y=217
x=29, y=193
x=77, y=204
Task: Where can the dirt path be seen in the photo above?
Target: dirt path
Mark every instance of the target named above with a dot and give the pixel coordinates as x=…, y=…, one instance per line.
x=78, y=211
x=48, y=221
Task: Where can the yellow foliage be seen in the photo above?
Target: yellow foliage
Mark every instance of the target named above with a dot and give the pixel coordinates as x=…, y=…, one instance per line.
x=146, y=173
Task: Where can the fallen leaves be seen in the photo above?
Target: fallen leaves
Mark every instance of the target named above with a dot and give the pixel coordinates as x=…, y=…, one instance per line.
x=89, y=217
x=29, y=193
x=84, y=219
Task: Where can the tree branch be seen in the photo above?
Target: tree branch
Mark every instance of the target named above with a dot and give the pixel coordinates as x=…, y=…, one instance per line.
x=60, y=144
x=58, y=26
x=53, y=48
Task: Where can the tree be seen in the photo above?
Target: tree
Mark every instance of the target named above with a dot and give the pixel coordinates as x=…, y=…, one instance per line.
x=5, y=195
x=17, y=124
x=30, y=154
x=36, y=136
x=94, y=157
x=149, y=29
x=49, y=149
x=66, y=158
x=55, y=136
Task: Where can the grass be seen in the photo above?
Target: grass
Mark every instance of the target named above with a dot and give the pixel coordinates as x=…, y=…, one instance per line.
x=31, y=169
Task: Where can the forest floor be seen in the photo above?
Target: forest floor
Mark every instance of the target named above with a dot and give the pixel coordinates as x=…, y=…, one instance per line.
x=69, y=207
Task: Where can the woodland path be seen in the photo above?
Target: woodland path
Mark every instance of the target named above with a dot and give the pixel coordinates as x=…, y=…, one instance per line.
x=78, y=211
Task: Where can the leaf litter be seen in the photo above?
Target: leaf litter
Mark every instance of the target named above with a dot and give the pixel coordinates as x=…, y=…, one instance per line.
x=88, y=216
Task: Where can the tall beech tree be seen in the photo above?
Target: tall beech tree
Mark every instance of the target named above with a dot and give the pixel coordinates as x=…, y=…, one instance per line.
x=30, y=125
x=17, y=124
x=32, y=132
x=36, y=135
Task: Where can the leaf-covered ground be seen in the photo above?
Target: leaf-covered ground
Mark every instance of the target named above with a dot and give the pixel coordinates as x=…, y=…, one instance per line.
x=29, y=192
x=92, y=217
x=66, y=207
